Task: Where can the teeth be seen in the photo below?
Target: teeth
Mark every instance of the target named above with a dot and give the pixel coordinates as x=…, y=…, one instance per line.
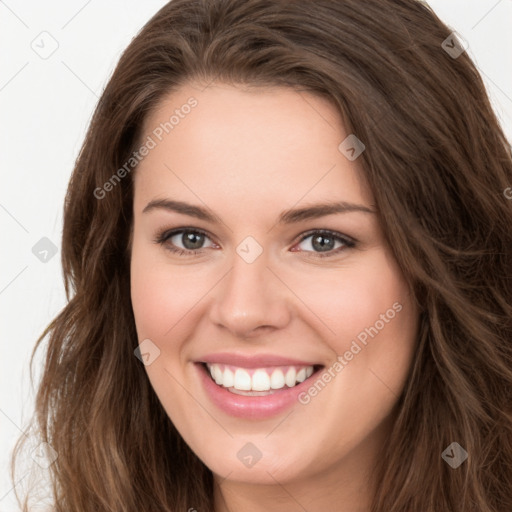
x=301, y=375
x=242, y=380
x=277, y=379
x=228, y=378
x=259, y=379
x=290, y=377
x=217, y=375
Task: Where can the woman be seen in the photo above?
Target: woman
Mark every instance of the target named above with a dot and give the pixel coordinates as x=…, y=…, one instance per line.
x=288, y=260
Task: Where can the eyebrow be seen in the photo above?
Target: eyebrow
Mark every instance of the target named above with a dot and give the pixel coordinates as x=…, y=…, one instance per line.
x=286, y=217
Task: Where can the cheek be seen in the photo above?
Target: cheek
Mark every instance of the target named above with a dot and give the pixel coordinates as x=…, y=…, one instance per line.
x=162, y=295
x=151, y=300
x=162, y=301
x=369, y=320
x=376, y=325
x=373, y=304
x=353, y=298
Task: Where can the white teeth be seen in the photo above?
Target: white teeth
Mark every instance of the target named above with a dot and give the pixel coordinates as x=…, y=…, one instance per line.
x=228, y=379
x=217, y=374
x=242, y=380
x=277, y=380
x=262, y=379
x=290, y=377
x=301, y=375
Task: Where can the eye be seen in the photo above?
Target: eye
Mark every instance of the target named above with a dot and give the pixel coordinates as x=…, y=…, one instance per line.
x=321, y=243
x=325, y=243
x=192, y=241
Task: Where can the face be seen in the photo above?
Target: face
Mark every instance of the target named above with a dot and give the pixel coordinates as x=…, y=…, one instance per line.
x=299, y=311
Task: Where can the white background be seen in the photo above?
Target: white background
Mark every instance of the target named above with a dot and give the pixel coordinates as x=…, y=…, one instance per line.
x=45, y=107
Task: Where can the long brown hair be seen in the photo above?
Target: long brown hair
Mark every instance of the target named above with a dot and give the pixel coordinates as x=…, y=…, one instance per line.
x=437, y=162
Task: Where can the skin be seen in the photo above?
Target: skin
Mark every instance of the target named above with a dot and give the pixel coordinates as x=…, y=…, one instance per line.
x=247, y=155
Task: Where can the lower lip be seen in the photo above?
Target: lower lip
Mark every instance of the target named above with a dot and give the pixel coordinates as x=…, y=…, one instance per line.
x=251, y=407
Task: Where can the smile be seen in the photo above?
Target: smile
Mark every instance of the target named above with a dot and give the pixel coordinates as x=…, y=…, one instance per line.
x=254, y=393
x=246, y=381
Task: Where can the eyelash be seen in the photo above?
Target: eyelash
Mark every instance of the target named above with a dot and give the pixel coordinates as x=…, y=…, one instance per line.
x=163, y=237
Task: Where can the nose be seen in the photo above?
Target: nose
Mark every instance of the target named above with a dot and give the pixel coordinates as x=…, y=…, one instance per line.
x=251, y=300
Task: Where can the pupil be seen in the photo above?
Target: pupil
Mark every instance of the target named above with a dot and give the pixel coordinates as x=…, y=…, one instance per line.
x=317, y=244
x=192, y=240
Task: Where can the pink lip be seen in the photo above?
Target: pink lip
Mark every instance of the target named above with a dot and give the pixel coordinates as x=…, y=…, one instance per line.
x=251, y=407
x=258, y=361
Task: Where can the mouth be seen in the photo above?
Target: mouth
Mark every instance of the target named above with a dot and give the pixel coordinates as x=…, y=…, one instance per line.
x=259, y=381
x=255, y=393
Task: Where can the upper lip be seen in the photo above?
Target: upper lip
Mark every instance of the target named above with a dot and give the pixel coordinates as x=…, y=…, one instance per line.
x=254, y=361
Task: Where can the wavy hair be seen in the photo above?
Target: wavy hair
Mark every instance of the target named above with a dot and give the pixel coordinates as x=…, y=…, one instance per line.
x=437, y=162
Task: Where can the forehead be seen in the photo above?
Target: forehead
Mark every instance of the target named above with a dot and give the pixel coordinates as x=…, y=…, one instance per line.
x=273, y=143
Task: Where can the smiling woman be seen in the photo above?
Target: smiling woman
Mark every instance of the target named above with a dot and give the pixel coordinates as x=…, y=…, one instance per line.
x=288, y=262
x=247, y=333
